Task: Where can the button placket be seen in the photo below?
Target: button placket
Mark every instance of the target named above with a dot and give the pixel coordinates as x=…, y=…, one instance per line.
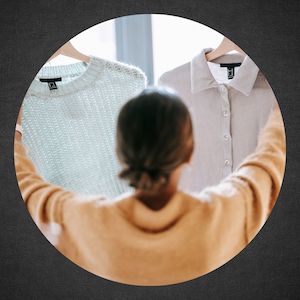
x=227, y=143
x=227, y=162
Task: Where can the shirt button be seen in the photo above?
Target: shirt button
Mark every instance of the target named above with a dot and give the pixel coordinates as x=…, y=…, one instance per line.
x=226, y=137
x=227, y=162
x=225, y=113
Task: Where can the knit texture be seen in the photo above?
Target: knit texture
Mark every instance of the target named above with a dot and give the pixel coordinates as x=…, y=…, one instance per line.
x=123, y=240
x=70, y=131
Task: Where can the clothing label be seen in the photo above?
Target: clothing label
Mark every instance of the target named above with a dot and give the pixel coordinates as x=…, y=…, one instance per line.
x=230, y=69
x=51, y=82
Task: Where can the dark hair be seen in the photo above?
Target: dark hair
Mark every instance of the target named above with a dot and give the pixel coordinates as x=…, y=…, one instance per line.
x=154, y=137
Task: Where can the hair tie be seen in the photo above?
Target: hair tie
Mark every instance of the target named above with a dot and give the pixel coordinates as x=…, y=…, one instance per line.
x=142, y=169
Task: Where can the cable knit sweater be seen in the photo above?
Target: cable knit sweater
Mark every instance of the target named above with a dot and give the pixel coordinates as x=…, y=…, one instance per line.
x=123, y=240
x=61, y=125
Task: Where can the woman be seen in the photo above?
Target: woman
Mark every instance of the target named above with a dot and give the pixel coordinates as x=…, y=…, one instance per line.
x=158, y=235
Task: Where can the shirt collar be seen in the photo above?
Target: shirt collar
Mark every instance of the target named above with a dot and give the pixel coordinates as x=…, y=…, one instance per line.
x=202, y=78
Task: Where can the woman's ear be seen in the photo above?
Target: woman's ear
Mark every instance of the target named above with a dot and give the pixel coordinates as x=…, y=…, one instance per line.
x=190, y=159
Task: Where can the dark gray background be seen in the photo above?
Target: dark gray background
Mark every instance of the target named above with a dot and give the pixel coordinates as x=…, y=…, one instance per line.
x=30, y=268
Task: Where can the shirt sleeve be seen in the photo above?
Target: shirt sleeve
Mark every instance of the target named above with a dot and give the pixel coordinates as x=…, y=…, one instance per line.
x=43, y=200
x=161, y=82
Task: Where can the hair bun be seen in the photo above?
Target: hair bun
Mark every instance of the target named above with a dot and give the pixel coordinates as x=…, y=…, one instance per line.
x=144, y=178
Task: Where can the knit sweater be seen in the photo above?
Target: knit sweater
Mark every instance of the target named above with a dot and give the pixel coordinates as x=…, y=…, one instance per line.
x=123, y=240
x=61, y=126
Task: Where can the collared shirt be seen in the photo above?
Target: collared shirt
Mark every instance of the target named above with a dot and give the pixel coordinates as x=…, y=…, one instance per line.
x=227, y=114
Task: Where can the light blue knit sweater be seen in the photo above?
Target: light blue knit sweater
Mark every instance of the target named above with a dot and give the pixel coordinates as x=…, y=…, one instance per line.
x=70, y=131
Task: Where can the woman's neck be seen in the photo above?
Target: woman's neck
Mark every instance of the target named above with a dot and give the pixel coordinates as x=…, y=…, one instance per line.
x=158, y=200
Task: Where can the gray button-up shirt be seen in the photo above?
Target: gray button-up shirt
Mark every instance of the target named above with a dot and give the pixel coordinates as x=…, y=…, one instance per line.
x=227, y=114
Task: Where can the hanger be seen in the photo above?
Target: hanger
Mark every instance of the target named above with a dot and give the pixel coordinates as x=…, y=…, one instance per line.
x=225, y=47
x=68, y=50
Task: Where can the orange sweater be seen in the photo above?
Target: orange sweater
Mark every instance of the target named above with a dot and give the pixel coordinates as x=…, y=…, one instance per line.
x=123, y=240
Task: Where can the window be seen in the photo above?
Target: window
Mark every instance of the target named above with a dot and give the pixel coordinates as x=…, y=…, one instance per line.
x=155, y=43
x=177, y=40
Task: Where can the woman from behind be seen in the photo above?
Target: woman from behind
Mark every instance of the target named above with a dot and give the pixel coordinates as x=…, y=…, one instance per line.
x=158, y=235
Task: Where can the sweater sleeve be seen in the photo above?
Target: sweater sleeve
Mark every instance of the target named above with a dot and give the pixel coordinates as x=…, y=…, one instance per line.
x=43, y=200
x=263, y=172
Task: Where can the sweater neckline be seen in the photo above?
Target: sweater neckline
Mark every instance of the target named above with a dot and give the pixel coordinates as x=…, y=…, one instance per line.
x=85, y=74
x=151, y=220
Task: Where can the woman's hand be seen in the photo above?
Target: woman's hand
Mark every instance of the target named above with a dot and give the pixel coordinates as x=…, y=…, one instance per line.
x=19, y=120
